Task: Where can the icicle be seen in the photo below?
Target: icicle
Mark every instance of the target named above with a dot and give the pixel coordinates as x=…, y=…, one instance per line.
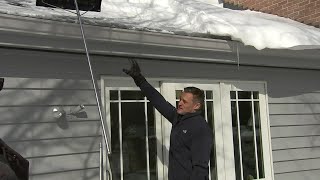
x=238, y=57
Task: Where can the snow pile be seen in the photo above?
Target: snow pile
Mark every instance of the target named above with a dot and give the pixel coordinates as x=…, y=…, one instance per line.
x=189, y=16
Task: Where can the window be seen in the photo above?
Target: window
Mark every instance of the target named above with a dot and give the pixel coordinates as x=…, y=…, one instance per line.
x=249, y=149
x=246, y=128
x=133, y=141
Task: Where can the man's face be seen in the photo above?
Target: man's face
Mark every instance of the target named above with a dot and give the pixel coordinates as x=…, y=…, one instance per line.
x=186, y=104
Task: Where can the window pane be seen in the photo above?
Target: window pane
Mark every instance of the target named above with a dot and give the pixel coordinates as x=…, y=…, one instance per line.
x=134, y=141
x=115, y=141
x=247, y=140
x=258, y=139
x=235, y=131
x=208, y=94
x=178, y=94
x=114, y=95
x=210, y=119
x=244, y=94
x=233, y=94
x=134, y=145
x=255, y=95
x=152, y=143
x=132, y=95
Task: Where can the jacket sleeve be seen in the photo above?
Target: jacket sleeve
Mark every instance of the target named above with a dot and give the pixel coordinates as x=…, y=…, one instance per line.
x=202, y=142
x=158, y=101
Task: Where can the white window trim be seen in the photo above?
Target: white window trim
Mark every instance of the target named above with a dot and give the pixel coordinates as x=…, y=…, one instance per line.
x=265, y=124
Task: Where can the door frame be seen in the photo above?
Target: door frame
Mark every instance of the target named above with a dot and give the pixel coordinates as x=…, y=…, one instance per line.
x=224, y=163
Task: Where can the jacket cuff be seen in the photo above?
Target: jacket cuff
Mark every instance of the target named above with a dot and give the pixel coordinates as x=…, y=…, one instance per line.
x=139, y=79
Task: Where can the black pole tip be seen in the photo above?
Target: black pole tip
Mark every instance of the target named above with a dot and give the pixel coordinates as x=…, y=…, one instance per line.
x=1, y=83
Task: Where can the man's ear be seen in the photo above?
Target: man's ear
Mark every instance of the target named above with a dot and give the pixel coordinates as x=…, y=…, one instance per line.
x=197, y=106
x=1, y=83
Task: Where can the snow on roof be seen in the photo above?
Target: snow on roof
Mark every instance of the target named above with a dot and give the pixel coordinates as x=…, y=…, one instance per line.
x=189, y=16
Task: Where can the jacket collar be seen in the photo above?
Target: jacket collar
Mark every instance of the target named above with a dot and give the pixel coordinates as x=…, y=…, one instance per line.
x=189, y=115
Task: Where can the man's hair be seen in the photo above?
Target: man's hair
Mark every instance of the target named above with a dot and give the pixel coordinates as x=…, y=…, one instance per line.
x=198, y=95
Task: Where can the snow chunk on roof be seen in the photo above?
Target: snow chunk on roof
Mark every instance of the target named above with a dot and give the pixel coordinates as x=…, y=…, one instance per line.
x=190, y=16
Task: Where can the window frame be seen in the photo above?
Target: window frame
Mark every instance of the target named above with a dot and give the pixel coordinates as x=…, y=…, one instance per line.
x=261, y=87
x=124, y=83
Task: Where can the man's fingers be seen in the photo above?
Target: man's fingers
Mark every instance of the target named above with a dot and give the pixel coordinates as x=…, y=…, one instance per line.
x=132, y=61
x=125, y=71
x=136, y=66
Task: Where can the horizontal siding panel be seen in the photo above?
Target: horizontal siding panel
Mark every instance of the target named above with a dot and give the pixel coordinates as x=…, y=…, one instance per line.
x=301, y=175
x=290, y=131
x=295, y=142
x=34, y=114
x=82, y=174
x=46, y=97
x=291, y=120
x=294, y=166
x=313, y=97
x=64, y=163
x=48, y=130
x=56, y=146
x=20, y=97
x=294, y=108
x=294, y=154
x=39, y=83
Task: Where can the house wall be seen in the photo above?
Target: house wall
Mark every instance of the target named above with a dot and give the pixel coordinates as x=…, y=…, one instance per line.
x=55, y=73
x=305, y=11
x=67, y=150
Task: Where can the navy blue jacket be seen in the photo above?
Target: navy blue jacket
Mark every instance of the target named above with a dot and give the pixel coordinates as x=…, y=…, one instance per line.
x=191, y=139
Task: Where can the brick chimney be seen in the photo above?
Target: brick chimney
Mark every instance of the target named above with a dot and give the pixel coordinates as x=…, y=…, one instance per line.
x=304, y=11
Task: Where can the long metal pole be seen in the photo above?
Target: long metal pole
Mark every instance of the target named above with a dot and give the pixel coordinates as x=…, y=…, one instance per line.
x=92, y=78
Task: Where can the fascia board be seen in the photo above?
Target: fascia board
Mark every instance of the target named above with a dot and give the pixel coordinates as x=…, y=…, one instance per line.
x=52, y=36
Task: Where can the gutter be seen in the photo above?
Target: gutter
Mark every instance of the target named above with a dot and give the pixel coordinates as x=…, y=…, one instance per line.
x=105, y=41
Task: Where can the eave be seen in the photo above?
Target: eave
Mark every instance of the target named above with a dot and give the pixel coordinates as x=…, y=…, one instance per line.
x=47, y=35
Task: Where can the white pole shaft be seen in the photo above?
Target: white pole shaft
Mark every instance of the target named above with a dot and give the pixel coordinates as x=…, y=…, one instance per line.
x=92, y=78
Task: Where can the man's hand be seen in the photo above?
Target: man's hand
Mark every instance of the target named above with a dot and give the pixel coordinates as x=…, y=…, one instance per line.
x=135, y=72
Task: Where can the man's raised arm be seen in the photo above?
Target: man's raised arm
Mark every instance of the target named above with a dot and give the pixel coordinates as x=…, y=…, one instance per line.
x=156, y=99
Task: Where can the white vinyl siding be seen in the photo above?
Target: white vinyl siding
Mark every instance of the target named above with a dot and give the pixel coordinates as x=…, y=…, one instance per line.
x=295, y=124
x=67, y=149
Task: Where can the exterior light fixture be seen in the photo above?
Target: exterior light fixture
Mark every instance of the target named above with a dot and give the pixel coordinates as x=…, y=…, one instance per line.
x=77, y=109
x=59, y=112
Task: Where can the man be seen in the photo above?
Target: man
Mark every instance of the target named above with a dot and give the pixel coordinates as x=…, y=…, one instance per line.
x=12, y=165
x=191, y=138
x=6, y=173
